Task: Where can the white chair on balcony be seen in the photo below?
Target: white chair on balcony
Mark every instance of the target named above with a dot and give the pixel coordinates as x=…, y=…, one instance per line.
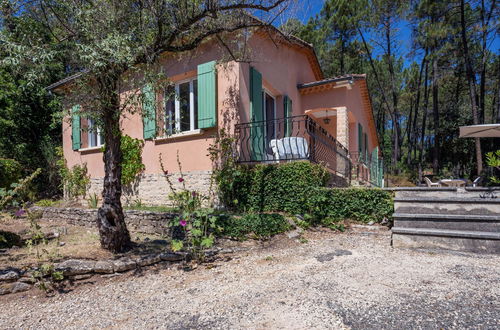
x=289, y=148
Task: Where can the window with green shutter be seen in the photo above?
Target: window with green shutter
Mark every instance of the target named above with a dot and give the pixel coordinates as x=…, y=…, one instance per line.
x=287, y=106
x=75, y=127
x=360, y=141
x=257, y=115
x=149, y=112
x=207, y=95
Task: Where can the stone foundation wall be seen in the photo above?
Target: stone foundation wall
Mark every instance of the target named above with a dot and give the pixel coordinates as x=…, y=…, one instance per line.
x=137, y=221
x=153, y=189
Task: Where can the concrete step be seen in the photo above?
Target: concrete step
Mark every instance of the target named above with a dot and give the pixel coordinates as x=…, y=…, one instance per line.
x=449, y=240
x=467, y=222
x=448, y=233
x=446, y=205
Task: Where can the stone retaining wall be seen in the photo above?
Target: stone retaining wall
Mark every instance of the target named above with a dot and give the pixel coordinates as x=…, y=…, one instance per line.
x=137, y=221
x=13, y=280
x=153, y=189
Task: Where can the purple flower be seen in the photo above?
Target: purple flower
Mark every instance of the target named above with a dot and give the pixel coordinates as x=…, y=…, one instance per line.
x=181, y=180
x=183, y=223
x=194, y=194
x=20, y=213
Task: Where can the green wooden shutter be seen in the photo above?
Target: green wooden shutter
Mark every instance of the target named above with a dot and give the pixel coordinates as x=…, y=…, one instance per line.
x=207, y=95
x=75, y=127
x=365, y=145
x=149, y=112
x=257, y=115
x=287, y=106
x=374, y=171
x=360, y=141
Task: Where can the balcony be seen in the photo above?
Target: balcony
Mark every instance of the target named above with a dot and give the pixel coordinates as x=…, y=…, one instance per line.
x=367, y=168
x=290, y=139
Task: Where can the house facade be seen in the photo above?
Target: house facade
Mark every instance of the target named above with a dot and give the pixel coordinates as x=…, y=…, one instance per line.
x=276, y=102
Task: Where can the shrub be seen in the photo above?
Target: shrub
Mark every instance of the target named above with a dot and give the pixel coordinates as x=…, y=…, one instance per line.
x=277, y=187
x=361, y=204
x=132, y=159
x=75, y=180
x=254, y=225
x=300, y=188
x=10, y=172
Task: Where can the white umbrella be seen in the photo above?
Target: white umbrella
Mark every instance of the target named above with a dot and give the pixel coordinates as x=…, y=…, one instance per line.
x=480, y=131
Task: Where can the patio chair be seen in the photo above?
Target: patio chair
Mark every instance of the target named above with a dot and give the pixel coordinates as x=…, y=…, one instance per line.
x=430, y=183
x=477, y=181
x=290, y=148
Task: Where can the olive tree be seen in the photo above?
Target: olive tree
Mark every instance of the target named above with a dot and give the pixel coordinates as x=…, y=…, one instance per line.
x=106, y=40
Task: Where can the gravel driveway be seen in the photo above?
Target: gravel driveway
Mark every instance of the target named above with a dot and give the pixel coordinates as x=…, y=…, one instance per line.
x=350, y=280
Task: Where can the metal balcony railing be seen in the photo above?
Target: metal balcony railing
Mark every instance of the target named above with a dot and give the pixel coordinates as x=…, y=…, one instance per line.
x=367, y=168
x=289, y=139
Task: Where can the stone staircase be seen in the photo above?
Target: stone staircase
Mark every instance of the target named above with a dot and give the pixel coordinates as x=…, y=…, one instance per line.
x=449, y=218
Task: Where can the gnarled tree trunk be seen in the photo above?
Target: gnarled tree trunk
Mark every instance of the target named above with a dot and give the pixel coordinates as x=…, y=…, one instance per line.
x=113, y=231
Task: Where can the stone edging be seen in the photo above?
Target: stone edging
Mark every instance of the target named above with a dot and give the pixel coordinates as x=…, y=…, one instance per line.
x=14, y=280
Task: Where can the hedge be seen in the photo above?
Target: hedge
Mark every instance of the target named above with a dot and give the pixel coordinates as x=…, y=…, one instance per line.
x=300, y=188
x=10, y=172
x=254, y=225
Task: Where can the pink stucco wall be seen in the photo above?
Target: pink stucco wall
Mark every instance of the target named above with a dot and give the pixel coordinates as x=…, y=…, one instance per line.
x=282, y=68
x=353, y=101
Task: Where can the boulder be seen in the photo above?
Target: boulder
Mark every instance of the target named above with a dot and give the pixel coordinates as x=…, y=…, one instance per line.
x=173, y=256
x=9, y=275
x=20, y=287
x=104, y=267
x=75, y=267
x=124, y=264
x=148, y=260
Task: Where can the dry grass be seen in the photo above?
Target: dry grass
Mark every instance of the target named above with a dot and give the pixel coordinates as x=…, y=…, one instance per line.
x=73, y=242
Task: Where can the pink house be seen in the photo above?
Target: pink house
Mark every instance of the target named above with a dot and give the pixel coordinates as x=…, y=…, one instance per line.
x=275, y=101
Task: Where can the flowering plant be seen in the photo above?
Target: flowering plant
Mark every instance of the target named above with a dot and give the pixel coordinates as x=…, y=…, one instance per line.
x=197, y=223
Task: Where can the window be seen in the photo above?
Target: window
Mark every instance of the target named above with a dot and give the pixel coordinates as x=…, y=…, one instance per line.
x=94, y=134
x=181, y=107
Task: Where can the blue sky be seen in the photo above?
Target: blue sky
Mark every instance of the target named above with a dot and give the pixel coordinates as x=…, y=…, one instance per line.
x=309, y=8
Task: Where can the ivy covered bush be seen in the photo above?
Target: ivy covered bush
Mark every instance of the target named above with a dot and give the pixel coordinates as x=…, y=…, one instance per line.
x=300, y=188
x=258, y=226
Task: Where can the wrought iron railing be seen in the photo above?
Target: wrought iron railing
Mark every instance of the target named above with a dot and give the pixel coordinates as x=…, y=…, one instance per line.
x=367, y=168
x=292, y=138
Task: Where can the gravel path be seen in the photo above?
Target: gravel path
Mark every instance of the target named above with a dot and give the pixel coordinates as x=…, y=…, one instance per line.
x=352, y=280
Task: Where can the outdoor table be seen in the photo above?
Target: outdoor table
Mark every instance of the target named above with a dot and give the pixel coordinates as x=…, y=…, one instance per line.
x=453, y=182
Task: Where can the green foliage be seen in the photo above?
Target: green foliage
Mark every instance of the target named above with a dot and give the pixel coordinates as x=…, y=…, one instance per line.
x=197, y=224
x=132, y=159
x=265, y=188
x=260, y=226
x=46, y=277
x=493, y=160
x=10, y=172
x=93, y=201
x=19, y=192
x=299, y=188
x=75, y=181
x=46, y=203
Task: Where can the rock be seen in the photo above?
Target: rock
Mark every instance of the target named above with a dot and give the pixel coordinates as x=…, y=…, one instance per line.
x=5, y=288
x=371, y=223
x=75, y=267
x=173, y=256
x=295, y=233
x=104, y=267
x=27, y=279
x=62, y=243
x=9, y=275
x=148, y=260
x=123, y=265
x=82, y=277
x=20, y=287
